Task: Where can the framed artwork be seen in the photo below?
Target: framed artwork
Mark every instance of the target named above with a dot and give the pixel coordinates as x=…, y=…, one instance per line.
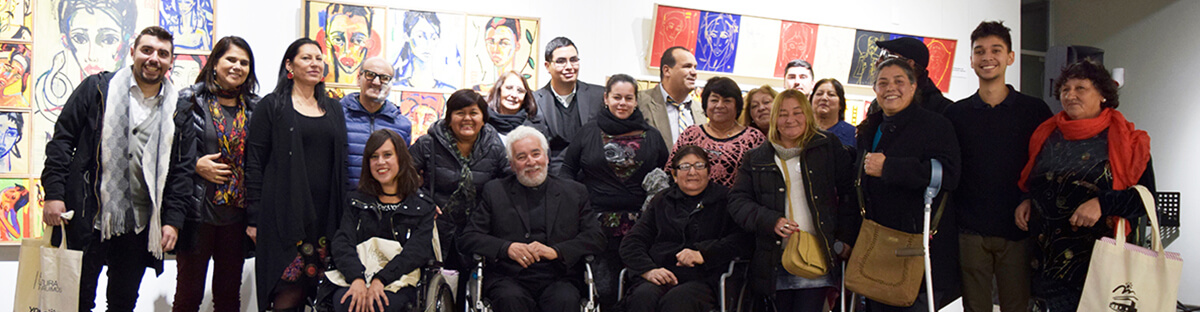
x=498, y=44
x=14, y=146
x=15, y=84
x=862, y=64
x=16, y=20
x=426, y=50
x=422, y=108
x=348, y=34
x=20, y=216
x=191, y=22
x=796, y=41
x=716, y=48
x=338, y=93
x=941, y=61
x=185, y=69
x=673, y=27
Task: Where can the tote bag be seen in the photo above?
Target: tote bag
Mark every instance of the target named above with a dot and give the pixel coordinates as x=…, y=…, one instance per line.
x=1127, y=277
x=48, y=276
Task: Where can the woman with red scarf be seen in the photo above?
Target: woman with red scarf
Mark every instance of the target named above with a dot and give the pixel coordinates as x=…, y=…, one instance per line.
x=1083, y=163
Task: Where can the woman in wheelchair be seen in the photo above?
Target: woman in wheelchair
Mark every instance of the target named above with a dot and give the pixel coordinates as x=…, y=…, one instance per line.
x=386, y=232
x=683, y=241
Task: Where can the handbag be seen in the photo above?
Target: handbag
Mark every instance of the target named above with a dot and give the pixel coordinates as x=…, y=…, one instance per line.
x=48, y=276
x=1127, y=277
x=374, y=254
x=804, y=254
x=885, y=264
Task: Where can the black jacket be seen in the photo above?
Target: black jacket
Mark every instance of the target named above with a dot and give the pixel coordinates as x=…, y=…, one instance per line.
x=590, y=100
x=667, y=226
x=435, y=157
x=72, y=169
x=191, y=120
x=586, y=161
x=571, y=227
x=896, y=200
x=365, y=217
x=759, y=199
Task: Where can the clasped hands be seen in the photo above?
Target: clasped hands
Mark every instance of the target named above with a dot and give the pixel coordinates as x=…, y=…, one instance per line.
x=363, y=298
x=684, y=258
x=527, y=254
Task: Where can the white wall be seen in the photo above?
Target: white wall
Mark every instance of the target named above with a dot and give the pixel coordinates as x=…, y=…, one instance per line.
x=1155, y=41
x=612, y=37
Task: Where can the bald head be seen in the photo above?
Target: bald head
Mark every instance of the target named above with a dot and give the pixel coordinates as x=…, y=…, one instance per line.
x=374, y=82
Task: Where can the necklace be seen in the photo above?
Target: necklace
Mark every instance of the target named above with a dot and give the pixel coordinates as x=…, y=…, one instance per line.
x=390, y=194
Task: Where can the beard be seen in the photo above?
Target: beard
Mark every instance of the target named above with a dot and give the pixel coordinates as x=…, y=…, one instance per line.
x=533, y=180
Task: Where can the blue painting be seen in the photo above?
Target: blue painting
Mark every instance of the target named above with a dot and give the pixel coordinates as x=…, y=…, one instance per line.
x=717, y=46
x=898, y=36
x=190, y=21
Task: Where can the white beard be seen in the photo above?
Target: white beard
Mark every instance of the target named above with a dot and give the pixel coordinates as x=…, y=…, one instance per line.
x=533, y=181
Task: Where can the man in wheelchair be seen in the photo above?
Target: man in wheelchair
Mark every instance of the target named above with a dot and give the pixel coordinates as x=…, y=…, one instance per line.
x=533, y=231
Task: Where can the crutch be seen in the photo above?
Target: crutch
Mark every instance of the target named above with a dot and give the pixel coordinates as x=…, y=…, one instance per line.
x=935, y=185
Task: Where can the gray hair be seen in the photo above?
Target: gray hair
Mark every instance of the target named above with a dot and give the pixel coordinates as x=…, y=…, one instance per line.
x=521, y=133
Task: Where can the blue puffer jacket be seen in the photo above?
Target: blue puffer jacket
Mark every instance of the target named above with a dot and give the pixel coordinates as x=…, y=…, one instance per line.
x=359, y=126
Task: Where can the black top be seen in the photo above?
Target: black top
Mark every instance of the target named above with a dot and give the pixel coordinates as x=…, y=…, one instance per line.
x=569, y=117
x=995, y=146
x=317, y=133
x=613, y=167
x=535, y=199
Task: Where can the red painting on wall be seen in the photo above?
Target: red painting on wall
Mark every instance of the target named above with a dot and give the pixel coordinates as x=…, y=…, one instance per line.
x=423, y=109
x=941, y=61
x=673, y=27
x=796, y=41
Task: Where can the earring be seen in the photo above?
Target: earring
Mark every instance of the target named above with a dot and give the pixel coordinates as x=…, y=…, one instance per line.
x=289, y=74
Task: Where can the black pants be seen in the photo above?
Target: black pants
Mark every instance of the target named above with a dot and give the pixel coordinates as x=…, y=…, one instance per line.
x=127, y=258
x=690, y=296
x=397, y=301
x=510, y=294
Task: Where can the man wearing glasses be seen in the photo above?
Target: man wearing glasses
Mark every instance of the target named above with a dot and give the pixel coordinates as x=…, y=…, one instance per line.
x=566, y=102
x=370, y=110
x=917, y=55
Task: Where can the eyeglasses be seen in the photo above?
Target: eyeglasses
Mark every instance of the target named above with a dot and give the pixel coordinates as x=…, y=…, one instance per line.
x=686, y=167
x=562, y=61
x=370, y=75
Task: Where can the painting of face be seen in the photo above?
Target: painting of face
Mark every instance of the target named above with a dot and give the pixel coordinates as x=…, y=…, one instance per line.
x=347, y=35
x=14, y=75
x=426, y=49
x=15, y=18
x=347, y=40
x=422, y=109
x=673, y=27
x=186, y=68
x=499, y=44
x=17, y=213
x=715, y=50
x=96, y=41
x=190, y=21
x=13, y=126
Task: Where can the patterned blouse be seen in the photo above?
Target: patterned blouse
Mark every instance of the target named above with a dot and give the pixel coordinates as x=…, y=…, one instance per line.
x=724, y=154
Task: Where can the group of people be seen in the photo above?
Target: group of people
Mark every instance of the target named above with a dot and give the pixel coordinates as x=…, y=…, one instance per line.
x=535, y=181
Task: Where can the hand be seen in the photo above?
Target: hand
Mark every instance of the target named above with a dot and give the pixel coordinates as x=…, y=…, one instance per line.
x=522, y=253
x=378, y=298
x=51, y=212
x=438, y=210
x=785, y=227
x=358, y=296
x=169, y=236
x=212, y=171
x=688, y=258
x=1022, y=215
x=253, y=233
x=544, y=252
x=660, y=276
x=1087, y=214
x=873, y=164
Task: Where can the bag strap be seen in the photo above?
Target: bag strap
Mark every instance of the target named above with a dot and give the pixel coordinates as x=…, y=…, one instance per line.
x=787, y=182
x=935, y=185
x=1148, y=203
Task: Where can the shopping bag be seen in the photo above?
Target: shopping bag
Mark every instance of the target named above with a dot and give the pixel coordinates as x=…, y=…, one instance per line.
x=374, y=254
x=1127, y=277
x=48, y=276
x=28, y=265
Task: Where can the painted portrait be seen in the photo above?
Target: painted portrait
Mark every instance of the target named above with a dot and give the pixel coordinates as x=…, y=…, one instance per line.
x=796, y=41
x=347, y=34
x=16, y=211
x=16, y=17
x=185, y=69
x=500, y=44
x=862, y=69
x=941, y=61
x=15, y=84
x=13, y=145
x=716, y=48
x=190, y=21
x=422, y=108
x=673, y=27
x=428, y=49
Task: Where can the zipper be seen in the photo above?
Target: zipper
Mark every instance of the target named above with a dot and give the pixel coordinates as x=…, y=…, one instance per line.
x=807, y=178
x=96, y=176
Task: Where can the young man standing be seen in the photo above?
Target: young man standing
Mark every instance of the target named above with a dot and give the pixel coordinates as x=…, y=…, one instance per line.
x=565, y=102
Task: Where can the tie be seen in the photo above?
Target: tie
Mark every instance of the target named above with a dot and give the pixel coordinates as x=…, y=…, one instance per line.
x=682, y=121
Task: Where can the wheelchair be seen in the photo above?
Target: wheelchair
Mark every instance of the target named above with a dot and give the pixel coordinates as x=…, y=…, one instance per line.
x=434, y=293
x=477, y=303
x=732, y=284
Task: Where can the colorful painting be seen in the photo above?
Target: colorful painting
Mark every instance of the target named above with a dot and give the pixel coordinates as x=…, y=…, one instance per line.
x=15, y=85
x=16, y=20
x=14, y=147
x=348, y=35
x=500, y=44
x=673, y=27
x=185, y=69
x=426, y=49
x=19, y=216
x=338, y=93
x=190, y=21
x=941, y=61
x=422, y=108
x=796, y=41
x=716, y=48
x=862, y=66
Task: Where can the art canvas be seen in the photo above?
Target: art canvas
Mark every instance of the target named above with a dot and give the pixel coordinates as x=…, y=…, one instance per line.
x=941, y=61
x=716, y=48
x=185, y=69
x=758, y=39
x=19, y=216
x=833, y=45
x=15, y=83
x=862, y=69
x=426, y=50
x=190, y=21
x=14, y=145
x=78, y=38
x=338, y=93
x=347, y=34
x=497, y=44
x=16, y=20
x=796, y=41
x=422, y=108
x=673, y=27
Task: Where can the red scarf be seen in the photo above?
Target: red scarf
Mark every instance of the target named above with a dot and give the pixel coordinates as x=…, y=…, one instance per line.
x=1128, y=148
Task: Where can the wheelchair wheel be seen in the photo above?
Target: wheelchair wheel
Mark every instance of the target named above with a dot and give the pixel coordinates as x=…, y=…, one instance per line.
x=443, y=300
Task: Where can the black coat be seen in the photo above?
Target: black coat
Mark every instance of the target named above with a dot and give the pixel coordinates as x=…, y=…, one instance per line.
x=571, y=227
x=72, y=169
x=896, y=199
x=277, y=191
x=759, y=199
x=191, y=120
x=364, y=217
x=668, y=226
x=590, y=100
x=435, y=157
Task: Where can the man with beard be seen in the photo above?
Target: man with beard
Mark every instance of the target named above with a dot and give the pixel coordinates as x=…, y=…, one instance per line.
x=370, y=110
x=533, y=229
x=108, y=162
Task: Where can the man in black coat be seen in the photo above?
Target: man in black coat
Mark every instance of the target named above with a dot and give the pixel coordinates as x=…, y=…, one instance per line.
x=533, y=229
x=565, y=102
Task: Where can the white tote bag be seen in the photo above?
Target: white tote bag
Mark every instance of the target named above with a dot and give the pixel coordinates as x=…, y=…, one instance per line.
x=50, y=280
x=1127, y=277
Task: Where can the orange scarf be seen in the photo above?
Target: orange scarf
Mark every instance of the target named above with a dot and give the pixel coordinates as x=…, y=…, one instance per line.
x=1128, y=148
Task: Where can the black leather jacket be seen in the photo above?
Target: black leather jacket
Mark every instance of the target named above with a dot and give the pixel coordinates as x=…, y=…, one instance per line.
x=364, y=217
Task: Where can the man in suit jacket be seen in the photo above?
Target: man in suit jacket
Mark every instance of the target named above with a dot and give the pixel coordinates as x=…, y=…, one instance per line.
x=566, y=102
x=533, y=229
x=669, y=107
